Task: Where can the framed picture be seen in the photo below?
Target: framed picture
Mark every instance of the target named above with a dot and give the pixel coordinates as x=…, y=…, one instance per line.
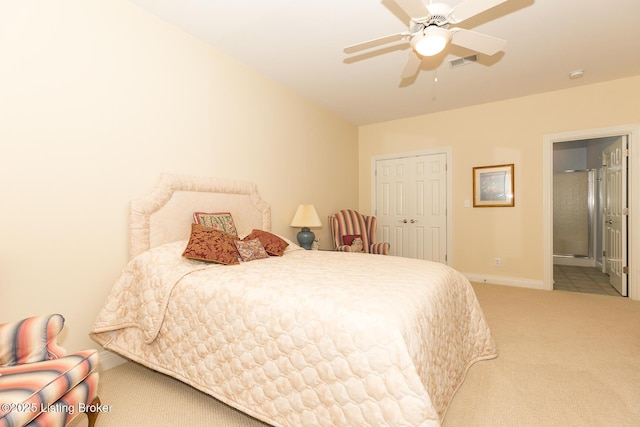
x=493, y=186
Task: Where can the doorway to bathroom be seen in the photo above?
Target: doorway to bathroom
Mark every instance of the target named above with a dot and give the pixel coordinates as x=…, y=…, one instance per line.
x=585, y=193
x=589, y=239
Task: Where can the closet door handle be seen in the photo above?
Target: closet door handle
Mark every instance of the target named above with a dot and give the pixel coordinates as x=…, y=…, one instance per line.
x=404, y=221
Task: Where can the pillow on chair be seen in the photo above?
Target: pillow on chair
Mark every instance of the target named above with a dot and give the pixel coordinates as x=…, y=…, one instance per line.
x=349, y=238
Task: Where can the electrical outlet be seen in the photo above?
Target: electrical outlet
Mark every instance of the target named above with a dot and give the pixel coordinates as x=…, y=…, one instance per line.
x=497, y=262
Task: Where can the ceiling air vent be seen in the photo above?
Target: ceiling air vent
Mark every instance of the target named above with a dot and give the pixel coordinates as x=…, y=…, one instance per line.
x=459, y=62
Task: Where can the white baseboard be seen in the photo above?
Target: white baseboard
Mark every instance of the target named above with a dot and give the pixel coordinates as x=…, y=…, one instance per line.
x=506, y=281
x=110, y=360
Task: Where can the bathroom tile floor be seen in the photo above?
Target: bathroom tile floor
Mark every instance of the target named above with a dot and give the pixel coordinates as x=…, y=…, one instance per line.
x=582, y=279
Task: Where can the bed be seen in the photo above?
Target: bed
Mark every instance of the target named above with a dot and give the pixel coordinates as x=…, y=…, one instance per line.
x=308, y=338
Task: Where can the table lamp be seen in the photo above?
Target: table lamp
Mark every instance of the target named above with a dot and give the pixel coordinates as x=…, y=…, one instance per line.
x=305, y=217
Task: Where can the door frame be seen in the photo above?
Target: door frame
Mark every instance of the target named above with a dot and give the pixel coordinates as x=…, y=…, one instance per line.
x=633, y=229
x=448, y=151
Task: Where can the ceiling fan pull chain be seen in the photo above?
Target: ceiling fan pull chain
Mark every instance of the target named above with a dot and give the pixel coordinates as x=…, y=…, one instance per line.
x=435, y=86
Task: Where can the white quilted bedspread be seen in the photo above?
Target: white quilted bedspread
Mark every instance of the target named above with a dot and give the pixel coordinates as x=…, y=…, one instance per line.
x=312, y=338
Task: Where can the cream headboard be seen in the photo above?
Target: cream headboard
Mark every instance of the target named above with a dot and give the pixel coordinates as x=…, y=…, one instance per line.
x=166, y=214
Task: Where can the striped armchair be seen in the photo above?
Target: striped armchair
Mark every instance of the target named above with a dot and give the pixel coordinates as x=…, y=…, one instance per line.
x=348, y=223
x=39, y=384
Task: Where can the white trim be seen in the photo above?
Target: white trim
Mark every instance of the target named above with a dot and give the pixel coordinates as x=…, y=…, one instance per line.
x=110, y=360
x=506, y=281
x=633, y=132
x=440, y=150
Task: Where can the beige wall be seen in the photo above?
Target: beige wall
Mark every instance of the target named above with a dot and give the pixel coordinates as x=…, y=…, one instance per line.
x=97, y=99
x=510, y=131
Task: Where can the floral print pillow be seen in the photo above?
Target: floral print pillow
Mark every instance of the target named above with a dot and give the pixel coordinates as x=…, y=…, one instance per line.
x=273, y=244
x=209, y=244
x=250, y=249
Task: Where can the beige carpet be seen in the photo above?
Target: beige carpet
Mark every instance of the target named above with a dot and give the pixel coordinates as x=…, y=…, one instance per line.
x=565, y=359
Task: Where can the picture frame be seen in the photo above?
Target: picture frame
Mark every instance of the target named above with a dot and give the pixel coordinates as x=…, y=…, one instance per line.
x=493, y=186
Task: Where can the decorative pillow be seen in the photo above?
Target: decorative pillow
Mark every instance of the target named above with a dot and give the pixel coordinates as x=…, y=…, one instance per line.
x=250, y=249
x=222, y=221
x=209, y=244
x=273, y=244
x=348, y=238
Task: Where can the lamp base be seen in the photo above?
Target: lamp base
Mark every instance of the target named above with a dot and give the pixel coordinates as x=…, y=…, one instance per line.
x=306, y=237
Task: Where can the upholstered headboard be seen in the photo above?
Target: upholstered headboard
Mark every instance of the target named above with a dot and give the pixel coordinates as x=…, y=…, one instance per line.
x=166, y=214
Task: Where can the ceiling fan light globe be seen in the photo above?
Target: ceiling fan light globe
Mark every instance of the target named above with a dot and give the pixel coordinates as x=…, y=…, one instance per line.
x=431, y=42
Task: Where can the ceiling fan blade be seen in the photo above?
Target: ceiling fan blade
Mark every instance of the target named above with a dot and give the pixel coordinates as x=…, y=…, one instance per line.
x=412, y=65
x=375, y=42
x=481, y=43
x=413, y=8
x=471, y=8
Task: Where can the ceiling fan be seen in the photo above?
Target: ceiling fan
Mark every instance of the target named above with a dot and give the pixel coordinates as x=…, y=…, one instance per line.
x=429, y=31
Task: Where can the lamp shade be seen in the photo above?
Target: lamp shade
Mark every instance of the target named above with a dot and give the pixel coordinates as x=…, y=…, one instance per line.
x=306, y=216
x=432, y=41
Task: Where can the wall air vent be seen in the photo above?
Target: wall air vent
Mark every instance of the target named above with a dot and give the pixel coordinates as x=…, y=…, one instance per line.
x=459, y=62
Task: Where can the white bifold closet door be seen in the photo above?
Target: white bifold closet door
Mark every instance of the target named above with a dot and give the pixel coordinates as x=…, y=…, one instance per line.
x=411, y=206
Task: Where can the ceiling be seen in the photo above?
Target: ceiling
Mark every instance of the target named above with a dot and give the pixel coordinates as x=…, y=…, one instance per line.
x=299, y=43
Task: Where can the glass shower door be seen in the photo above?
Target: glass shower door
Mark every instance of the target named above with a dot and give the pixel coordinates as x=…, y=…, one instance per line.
x=573, y=204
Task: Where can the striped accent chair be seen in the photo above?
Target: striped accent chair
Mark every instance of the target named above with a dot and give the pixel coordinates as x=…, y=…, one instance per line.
x=348, y=223
x=40, y=385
